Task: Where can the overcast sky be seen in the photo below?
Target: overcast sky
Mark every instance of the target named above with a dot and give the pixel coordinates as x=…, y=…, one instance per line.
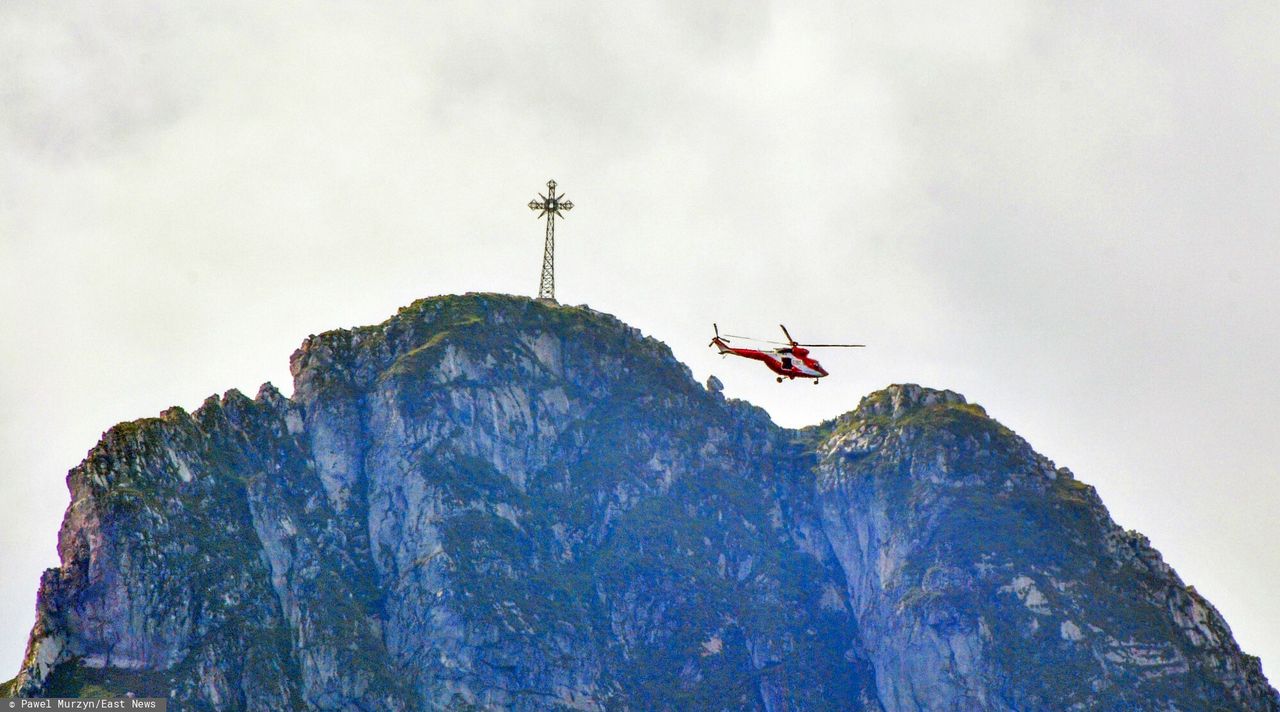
x=1068, y=213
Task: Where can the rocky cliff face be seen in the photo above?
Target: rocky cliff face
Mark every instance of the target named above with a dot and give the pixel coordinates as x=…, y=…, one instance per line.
x=493, y=503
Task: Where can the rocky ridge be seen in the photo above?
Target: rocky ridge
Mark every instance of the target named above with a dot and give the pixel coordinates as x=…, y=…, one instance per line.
x=488, y=502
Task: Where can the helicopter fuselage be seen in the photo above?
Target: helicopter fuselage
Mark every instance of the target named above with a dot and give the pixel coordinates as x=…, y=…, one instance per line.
x=793, y=362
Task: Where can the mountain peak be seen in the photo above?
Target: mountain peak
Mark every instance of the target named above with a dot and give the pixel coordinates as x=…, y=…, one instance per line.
x=901, y=399
x=489, y=502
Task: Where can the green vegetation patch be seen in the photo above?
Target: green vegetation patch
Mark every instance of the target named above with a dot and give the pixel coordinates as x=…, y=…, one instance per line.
x=71, y=679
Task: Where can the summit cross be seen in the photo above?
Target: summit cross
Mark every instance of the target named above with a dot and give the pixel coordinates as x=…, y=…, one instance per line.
x=550, y=206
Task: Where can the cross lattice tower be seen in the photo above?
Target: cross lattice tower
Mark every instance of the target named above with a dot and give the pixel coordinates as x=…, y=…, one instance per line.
x=550, y=206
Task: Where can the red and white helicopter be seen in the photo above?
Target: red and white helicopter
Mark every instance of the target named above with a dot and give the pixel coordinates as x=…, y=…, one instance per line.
x=791, y=361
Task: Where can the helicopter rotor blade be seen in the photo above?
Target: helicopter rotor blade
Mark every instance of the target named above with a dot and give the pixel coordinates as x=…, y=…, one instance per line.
x=752, y=338
x=833, y=346
x=788, y=333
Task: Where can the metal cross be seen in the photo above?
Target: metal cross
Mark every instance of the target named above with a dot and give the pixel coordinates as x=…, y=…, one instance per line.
x=550, y=206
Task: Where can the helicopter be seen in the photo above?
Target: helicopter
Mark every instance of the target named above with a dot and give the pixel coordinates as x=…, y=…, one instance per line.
x=790, y=361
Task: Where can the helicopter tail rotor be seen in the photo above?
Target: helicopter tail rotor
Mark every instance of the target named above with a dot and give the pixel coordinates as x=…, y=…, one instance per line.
x=718, y=338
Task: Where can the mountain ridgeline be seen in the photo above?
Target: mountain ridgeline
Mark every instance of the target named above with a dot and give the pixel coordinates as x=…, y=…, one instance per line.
x=491, y=503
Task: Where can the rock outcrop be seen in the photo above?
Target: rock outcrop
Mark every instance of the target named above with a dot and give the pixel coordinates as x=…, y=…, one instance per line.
x=493, y=503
